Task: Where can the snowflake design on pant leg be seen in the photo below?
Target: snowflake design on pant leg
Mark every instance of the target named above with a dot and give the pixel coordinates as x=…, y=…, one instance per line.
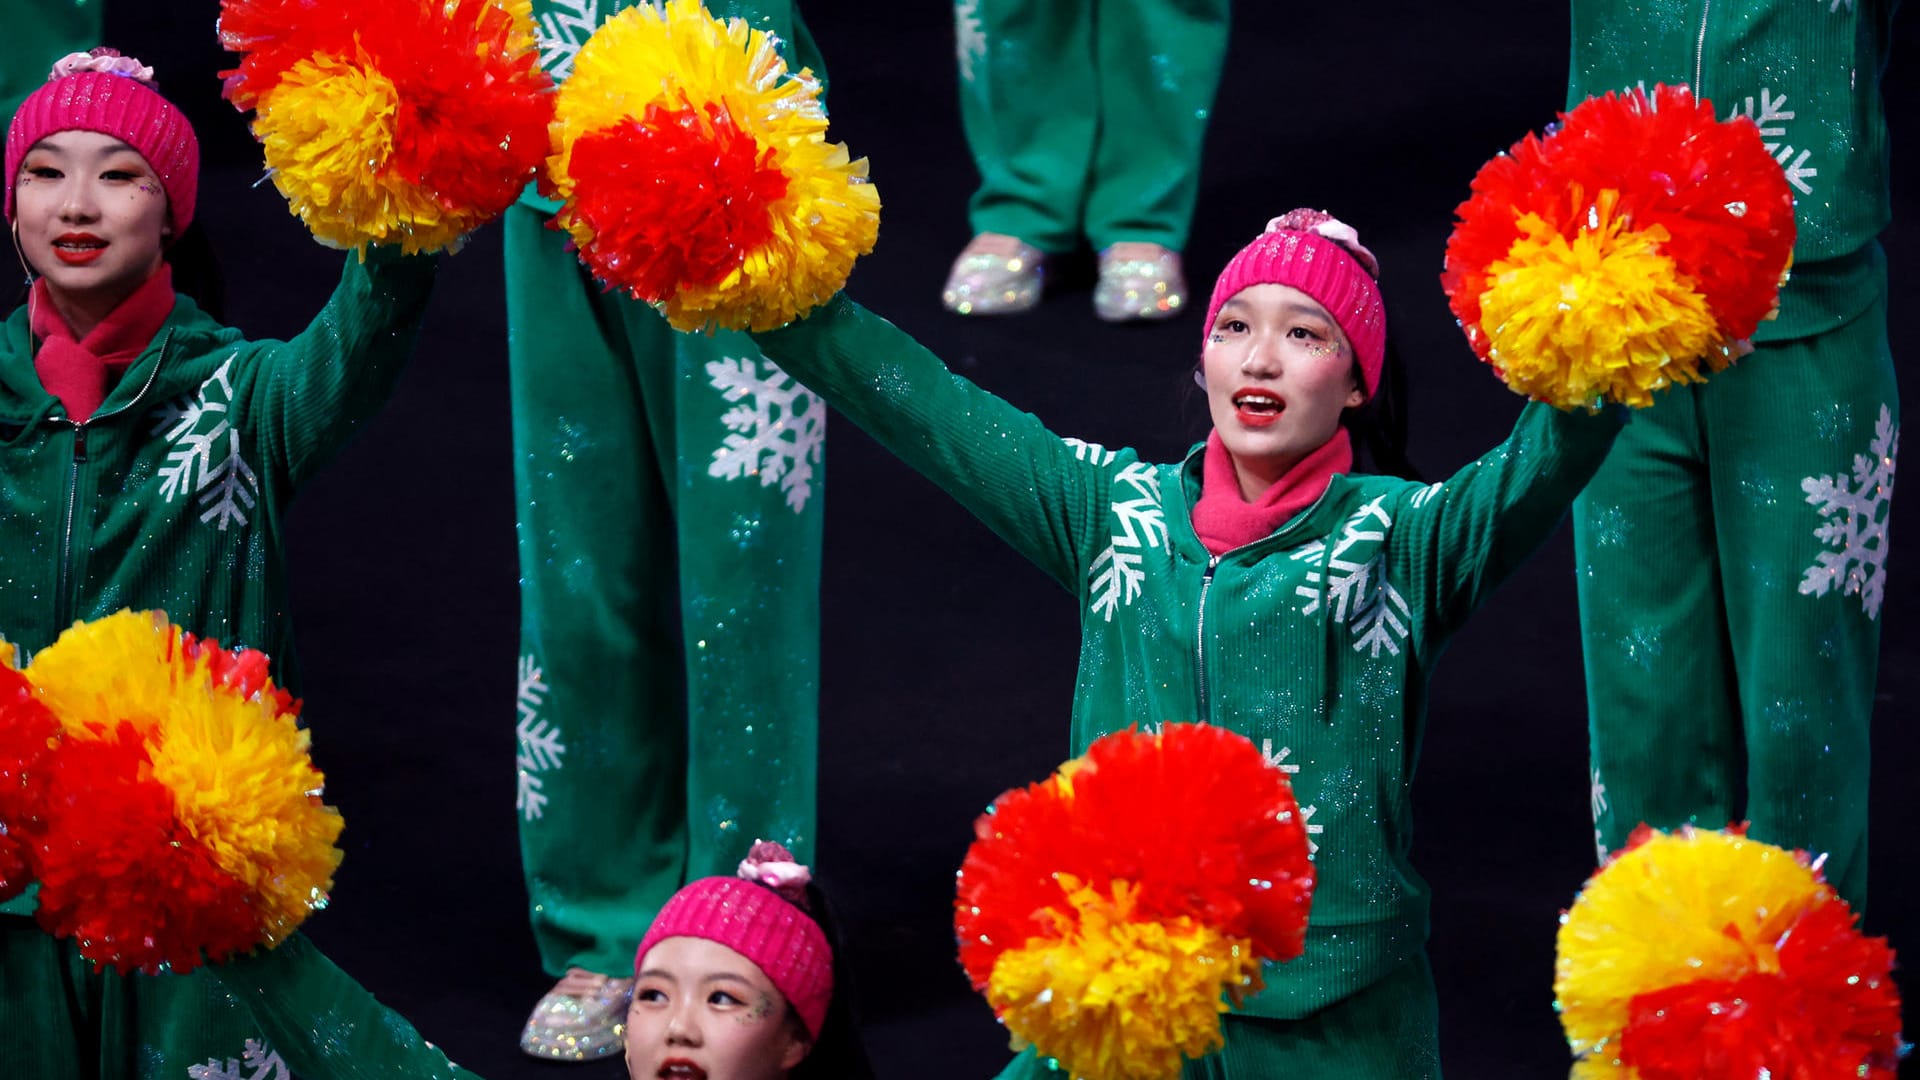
x=1856, y=512
x=257, y=1061
x=777, y=436
x=970, y=36
x=562, y=31
x=204, y=461
x=540, y=745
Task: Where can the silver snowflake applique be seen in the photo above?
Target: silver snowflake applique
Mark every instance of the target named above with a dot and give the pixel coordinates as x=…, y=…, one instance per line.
x=777, y=436
x=970, y=35
x=1356, y=583
x=1856, y=512
x=204, y=461
x=1597, y=795
x=1141, y=525
x=1278, y=760
x=257, y=1061
x=1772, y=115
x=540, y=745
x=1834, y=5
x=562, y=32
x=1090, y=451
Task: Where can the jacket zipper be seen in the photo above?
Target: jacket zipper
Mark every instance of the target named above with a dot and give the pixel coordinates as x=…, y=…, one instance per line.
x=1200, y=639
x=63, y=581
x=1700, y=52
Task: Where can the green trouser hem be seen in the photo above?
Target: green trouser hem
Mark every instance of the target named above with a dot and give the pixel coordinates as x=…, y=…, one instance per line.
x=670, y=565
x=1710, y=630
x=1087, y=117
x=290, y=1006
x=1388, y=1031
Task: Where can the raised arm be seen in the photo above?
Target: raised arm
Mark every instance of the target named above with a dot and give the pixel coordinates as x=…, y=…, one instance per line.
x=310, y=394
x=1475, y=528
x=1042, y=494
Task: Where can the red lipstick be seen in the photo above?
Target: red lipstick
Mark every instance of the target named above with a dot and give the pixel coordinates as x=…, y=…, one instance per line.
x=77, y=248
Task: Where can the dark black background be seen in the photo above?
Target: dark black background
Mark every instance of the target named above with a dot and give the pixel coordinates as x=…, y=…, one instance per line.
x=948, y=661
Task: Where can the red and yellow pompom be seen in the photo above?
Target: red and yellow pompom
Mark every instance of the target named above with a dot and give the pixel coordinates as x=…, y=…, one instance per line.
x=695, y=174
x=1635, y=247
x=164, y=793
x=1702, y=955
x=405, y=122
x=1108, y=912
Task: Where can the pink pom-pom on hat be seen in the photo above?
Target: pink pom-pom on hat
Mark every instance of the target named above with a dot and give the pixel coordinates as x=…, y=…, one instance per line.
x=761, y=914
x=1322, y=256
x=114, y=95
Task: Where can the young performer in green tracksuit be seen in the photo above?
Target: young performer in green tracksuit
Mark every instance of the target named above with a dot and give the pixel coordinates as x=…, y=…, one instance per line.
x=148, y=455
x=1086, y=119
x=1260, y=585
x=1731, y=554
x=670, y=492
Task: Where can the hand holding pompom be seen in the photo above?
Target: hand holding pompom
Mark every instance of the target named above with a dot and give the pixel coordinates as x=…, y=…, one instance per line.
x=405, y=122
x=1108, y=912
x=1636, y=247
x=695, y=174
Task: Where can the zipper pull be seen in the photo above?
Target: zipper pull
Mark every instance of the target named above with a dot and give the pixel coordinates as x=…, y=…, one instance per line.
x=79, y=443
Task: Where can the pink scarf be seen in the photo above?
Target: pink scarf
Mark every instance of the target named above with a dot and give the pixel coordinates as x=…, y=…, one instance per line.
x=1224, y=521
x=80, y=373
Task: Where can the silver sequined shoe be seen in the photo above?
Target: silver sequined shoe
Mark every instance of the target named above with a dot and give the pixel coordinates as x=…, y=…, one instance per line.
x=996, y=274
x=1139, y=281
x=583, y=1018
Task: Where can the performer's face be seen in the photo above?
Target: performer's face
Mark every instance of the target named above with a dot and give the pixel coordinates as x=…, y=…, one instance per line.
x=1278, y=371
x=701, y=1011
x=90, y=216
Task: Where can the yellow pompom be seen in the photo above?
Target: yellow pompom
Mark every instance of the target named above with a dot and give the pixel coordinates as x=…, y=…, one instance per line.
x=1605, y=315
x=244, y=786
x=675, y=74
x=1115, y=998
x=1675, y=909
x=115, y=669
x=328, y=129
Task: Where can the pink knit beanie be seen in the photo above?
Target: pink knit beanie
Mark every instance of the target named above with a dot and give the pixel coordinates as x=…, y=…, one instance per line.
x=761, y=914
x=114, y=95
x=1321, y=256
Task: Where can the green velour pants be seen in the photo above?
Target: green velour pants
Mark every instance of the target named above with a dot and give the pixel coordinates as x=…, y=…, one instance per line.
x=1086, y=117
x=1730, y=557
x=670, y=507
x=288, y=1011
x=39, y=33
x=1388, y=1031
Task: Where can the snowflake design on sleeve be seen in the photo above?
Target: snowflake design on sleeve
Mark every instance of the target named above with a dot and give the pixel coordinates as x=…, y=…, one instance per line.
x=257, y=1061
x=969, y=34
x=204, y=461
x=1772, y=115
x=1856, y=512
x=1356, y=583
x=540, y=745
x=1140, y=526
x=777, y=436
x=562, y=31
x=1090, y=451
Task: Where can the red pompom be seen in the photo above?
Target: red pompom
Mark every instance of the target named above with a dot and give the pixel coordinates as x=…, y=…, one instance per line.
x=245, y=671
x=1722, y=199
x=676, y=197
x=28, y=735
x=1831, y=1010
x=120, y=876
x=1194, y=818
